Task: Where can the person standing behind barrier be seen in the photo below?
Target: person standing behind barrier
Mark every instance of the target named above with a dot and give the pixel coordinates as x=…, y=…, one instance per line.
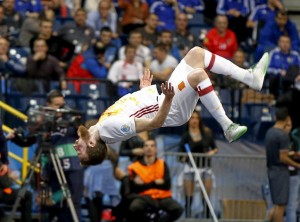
x=277, y=151
x=150, y=179
x=201, y=140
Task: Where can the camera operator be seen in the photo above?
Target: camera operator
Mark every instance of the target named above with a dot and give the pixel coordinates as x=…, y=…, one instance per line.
x=7, y=194
x=70, y=163
x=61, y=139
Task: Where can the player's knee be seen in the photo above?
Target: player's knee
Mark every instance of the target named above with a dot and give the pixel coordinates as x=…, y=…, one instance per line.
x=196, y=52
x=197, y=75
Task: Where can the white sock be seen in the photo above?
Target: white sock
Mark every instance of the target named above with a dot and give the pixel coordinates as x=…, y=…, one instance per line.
x=220, y=65
x=212, y=103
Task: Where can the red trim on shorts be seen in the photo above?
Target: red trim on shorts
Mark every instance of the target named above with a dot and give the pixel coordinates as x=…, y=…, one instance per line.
x=205, y=91
x=211, y=62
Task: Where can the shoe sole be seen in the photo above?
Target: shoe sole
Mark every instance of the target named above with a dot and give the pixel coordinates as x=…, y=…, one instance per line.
x=241, y=133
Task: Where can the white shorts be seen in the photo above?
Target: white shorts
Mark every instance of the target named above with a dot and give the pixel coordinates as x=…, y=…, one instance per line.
x=185, y=99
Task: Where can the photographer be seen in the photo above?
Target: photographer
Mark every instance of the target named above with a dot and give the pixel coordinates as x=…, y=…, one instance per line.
x=72, y=169
x=7, y=194
x=61, y=136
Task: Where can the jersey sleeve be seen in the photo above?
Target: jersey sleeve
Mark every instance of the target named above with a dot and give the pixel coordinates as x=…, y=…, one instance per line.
x=117, y=128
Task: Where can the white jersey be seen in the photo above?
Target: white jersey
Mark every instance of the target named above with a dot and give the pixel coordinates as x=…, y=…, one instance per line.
x=117, y=122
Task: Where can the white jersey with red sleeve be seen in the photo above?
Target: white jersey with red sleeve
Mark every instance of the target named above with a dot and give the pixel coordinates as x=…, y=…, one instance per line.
x=117, y=122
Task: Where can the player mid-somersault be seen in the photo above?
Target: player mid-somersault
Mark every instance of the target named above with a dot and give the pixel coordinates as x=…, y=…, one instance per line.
x=147, y=109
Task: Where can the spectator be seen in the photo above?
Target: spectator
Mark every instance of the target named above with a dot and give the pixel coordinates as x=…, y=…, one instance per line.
x=150, y=180
x=79, y=34
x=44, y=66
x=221, y=40
x=57, y=47
x=91, y=5
x=111, y=49
x=126, y=70
x=192, y=6
x=261, y=14
x=166, y=38
x=281, y=58
x=182, y=38
x=200, y=139
x=149, y=31
x=163, y=64
x=89, y=64
x=166, y=10
x=270, y=34
x=103, y=17
x=135, y=13
x=9, y=65
x=143, y=53
x=13, y=18
x=133, y=147
x=8, y=195
x=31, y=26
x=237, y=12
x=277, y=150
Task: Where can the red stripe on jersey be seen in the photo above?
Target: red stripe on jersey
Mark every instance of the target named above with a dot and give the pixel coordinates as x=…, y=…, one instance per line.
x=146, y=112
x=205, y=91
x=143, y=110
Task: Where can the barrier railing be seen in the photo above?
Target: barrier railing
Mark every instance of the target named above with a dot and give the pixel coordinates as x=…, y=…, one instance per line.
x=236, y=188
x=24, y=158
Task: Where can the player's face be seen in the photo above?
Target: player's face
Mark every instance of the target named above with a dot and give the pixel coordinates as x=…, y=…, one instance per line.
x=82, y=142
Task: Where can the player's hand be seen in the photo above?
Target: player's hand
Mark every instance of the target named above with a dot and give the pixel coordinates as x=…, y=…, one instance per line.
x=146, y=79
x=168, y=90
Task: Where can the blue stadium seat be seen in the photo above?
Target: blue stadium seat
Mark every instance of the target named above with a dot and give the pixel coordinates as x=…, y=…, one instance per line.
x=91, y=108
x=94, y=90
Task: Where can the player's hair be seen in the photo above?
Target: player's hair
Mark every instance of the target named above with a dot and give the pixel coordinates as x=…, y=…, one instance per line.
x=281, y=113
x=95, y=154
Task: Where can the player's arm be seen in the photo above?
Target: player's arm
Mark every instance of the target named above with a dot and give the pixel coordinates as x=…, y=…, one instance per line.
x=144, y=124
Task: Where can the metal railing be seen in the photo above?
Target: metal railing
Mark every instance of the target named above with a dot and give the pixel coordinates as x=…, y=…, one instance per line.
x=237, y=185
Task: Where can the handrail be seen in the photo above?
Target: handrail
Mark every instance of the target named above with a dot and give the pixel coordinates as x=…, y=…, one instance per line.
x=8, y=129
x=13, y=111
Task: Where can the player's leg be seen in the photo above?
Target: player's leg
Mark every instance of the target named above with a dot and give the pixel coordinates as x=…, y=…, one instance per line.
x=217, y=64
x=199, y=81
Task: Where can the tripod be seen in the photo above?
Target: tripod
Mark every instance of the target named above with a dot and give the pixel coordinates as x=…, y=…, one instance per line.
x=46, y=147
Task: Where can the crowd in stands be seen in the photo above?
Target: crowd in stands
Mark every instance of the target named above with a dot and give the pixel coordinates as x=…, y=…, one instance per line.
x=74, y=42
